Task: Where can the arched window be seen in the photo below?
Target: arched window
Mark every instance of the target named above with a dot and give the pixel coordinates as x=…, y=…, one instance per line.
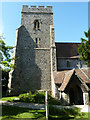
x=37, y=41
x=36, y=24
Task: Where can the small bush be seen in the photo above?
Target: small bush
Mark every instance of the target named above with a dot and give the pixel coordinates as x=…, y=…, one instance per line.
x=26, y=97
x=32, y=98
x=74, y=111
x=69, y=112
x=38, y=97
x=53, y=101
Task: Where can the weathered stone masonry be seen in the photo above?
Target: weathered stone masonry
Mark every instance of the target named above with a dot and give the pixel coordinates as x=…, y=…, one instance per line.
x=35, y=47
x=35, y=51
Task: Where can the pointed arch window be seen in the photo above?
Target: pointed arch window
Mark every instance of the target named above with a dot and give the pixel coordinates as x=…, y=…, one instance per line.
x=36, y=24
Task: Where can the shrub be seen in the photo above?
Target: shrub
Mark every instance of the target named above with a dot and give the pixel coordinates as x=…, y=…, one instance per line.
x=73, y=112
x=38, y=97
x=53, y=101
x=26, y=97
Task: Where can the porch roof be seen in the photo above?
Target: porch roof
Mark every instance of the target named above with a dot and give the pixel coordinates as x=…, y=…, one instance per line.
x=59, y=76
x=63, y=77
x=83, y=74
x=67, y=77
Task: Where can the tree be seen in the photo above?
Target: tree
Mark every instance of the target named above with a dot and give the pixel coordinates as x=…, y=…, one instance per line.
x=5, y=55
x=84, y=48
x=5, y=63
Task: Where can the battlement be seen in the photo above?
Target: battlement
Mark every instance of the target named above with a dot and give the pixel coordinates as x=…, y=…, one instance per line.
x=36, y=9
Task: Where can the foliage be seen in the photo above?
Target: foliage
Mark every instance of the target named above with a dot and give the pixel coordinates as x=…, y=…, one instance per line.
x=9, y=99
x=53, y=101
x=5, y=62
x=11, y=113
x=37, y=97
x=26, y=97
x=64, y=113
x=5, y=55
x=5, y=77
x=84, y=48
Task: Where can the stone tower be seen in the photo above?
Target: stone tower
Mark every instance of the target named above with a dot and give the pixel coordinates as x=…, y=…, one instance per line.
x=35, y=52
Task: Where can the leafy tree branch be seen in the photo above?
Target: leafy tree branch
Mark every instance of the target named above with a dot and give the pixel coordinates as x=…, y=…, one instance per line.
x=5, y=55
x=84, y=48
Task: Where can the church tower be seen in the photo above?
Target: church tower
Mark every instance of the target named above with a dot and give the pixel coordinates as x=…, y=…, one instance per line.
x=35, y=52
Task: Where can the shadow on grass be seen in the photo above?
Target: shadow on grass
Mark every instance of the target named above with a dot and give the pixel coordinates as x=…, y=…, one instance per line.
x=10, y=113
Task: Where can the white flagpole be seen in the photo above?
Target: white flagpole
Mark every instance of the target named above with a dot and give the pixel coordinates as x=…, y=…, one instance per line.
x=46, y=98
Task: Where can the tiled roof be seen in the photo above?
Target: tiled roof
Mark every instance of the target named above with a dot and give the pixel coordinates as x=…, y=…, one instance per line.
x=66, y=79
x=67, y=49
x=59, y=76
x=63, y=77
x=83, y=74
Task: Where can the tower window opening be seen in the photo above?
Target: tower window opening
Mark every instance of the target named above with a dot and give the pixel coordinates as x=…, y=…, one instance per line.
x=36, y=24
x=37, y=40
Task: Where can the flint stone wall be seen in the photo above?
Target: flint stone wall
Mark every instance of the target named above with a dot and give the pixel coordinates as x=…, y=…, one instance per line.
x=33, y=66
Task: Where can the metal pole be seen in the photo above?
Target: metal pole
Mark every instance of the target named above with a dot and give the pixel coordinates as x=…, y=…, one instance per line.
x=46, y=98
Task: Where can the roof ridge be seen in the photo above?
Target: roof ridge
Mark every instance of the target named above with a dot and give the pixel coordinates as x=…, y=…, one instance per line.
x=84, y=73
x=63, y=83
x=69, y=71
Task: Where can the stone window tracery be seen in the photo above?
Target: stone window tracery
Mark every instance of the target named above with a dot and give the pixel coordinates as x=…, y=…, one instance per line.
x=37, y=24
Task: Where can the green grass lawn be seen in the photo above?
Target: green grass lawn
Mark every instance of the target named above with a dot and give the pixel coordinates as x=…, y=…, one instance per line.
x=9, y=99
x=10, y=113
x=37, y=97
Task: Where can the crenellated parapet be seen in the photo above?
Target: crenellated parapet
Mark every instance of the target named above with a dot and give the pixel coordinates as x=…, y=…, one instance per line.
x=36, y=9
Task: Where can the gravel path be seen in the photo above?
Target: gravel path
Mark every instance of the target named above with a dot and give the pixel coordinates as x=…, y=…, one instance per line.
x=84, y=108
x=23, y=105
